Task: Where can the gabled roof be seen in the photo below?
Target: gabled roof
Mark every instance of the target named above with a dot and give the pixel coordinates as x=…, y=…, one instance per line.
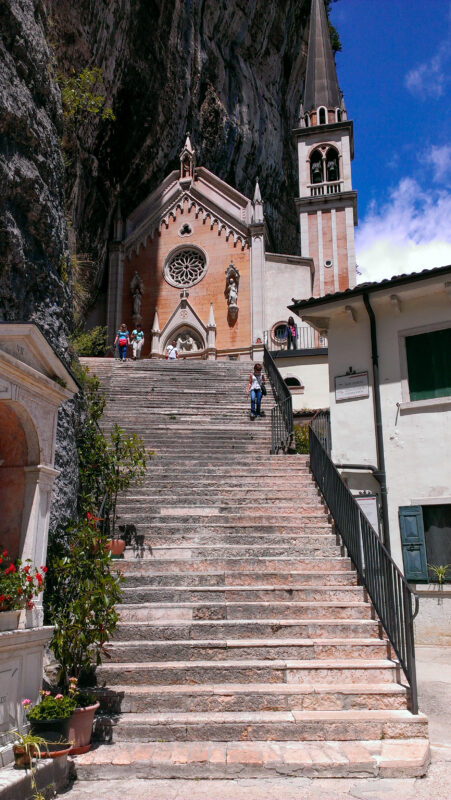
x=369, y=287
x=210, y=196
x=321, y=84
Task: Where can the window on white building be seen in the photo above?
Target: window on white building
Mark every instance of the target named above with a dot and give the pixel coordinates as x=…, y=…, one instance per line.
x=429, y=364
x=426, y=542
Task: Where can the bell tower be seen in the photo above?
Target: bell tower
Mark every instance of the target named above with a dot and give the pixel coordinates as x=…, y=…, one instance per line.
x=327, y=204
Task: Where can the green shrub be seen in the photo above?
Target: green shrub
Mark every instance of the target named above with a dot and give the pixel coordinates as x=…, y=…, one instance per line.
x=80, y=94
x=90, y=343
x=301, y=439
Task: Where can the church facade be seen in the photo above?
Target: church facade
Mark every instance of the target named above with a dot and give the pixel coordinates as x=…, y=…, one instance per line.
x=191, y=263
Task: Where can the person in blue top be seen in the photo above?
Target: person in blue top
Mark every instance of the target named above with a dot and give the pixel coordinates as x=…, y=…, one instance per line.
x=122, y=341
x=137, y=342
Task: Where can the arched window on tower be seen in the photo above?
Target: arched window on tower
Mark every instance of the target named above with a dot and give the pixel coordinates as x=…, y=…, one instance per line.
x=332, y=165
x=338, y=115
x=316, y=167
x=322, y=116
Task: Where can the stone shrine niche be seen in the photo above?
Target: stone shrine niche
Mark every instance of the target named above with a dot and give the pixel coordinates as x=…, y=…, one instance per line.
x=136, y=289
x=188, y=341
x=231, y=292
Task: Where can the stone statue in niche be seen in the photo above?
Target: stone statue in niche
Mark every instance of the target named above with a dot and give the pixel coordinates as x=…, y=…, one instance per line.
x=136, y=288
x=231, y=292
x=187, y=343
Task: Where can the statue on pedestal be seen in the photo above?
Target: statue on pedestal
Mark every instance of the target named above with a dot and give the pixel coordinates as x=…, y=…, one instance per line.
x=231, y=292
x=136, y=288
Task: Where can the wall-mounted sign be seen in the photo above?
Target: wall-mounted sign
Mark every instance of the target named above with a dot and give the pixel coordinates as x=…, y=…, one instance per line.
x=368, y=505
x=351, y=387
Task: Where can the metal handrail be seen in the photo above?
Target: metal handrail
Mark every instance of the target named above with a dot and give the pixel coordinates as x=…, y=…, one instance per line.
x=320, y=424
x=282, y=431
x=386, y=586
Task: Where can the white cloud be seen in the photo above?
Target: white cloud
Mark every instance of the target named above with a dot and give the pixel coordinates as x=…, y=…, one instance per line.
x=408, y=233
x=440, y=158
x=430, y=79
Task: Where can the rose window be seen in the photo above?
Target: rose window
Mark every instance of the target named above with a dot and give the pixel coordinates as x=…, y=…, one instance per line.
x=185, y=268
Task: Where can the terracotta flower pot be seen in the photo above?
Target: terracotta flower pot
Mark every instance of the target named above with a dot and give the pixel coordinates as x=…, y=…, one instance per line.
x=80, y=729
x=9, y=620
x=23, y=756
x=117, y=547
x=56, y=750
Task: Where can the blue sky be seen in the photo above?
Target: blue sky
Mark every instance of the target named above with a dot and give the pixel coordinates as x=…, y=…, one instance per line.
x=395, y=72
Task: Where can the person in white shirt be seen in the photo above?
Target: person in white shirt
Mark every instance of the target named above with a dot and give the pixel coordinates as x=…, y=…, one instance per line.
x=256, y=381
x=137, y=342
x=171, y=350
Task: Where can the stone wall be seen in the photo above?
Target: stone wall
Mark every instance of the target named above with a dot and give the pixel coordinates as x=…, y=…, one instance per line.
x=35, y=280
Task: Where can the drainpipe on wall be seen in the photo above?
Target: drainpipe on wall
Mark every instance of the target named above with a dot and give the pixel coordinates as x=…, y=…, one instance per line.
x=381, y=474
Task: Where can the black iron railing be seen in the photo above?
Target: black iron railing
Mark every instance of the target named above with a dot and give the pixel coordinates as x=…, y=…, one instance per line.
x=320, y=425
x=386, y=586
x=306, y=339
x=282, y=413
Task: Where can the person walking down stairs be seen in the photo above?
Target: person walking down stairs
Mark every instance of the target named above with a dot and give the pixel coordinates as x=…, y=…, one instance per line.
x=256, y=387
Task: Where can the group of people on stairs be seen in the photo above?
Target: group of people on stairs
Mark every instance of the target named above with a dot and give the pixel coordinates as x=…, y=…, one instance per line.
x=124, y=339
x=256, y=386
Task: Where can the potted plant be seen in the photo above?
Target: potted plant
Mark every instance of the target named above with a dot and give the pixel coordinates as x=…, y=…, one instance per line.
x=50, y=717
x=26, y=748
x=19, y=585
x=82, y=719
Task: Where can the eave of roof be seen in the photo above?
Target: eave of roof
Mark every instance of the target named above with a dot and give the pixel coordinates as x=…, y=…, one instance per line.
x=370, y=287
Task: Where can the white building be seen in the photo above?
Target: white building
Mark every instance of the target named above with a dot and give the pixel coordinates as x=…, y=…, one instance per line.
x=390, y=407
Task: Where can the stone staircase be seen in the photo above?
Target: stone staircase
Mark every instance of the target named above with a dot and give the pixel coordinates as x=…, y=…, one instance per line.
x=245, y=645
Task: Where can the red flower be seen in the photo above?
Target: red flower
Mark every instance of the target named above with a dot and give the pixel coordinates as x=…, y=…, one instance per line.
x=30, y=604
x=5, y=553
x=2, y=597
x=26, y=569
x=44, y=569
x=29, y=579
x=39, y=578
x=19, y=590
x=11, y=568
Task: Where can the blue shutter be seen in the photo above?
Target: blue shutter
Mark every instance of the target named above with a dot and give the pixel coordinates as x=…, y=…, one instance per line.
x=413, y=544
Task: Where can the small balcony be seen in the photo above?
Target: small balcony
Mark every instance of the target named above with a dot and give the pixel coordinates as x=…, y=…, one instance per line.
x=306, y=339
x=322, y=189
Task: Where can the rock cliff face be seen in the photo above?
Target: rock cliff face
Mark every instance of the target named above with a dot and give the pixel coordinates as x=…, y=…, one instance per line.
x=229, y=72
x=34, y=259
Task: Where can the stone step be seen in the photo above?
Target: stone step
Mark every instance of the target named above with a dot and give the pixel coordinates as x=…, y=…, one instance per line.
x=246, y=649
x=221, y=579
x=214, y=495
x=234, y=594
x=310, y=671
x=248, y=566
x=244, y=610
x=247, y=628
x=296, y=725
x=191, y=760
x=196, y=553
x=253, y=697
x=314, y=516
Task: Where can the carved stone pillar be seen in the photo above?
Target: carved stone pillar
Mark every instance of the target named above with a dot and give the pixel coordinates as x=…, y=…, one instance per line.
x=211, y=335
x=115, y=288
x=35, y=523
x=156, y=333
